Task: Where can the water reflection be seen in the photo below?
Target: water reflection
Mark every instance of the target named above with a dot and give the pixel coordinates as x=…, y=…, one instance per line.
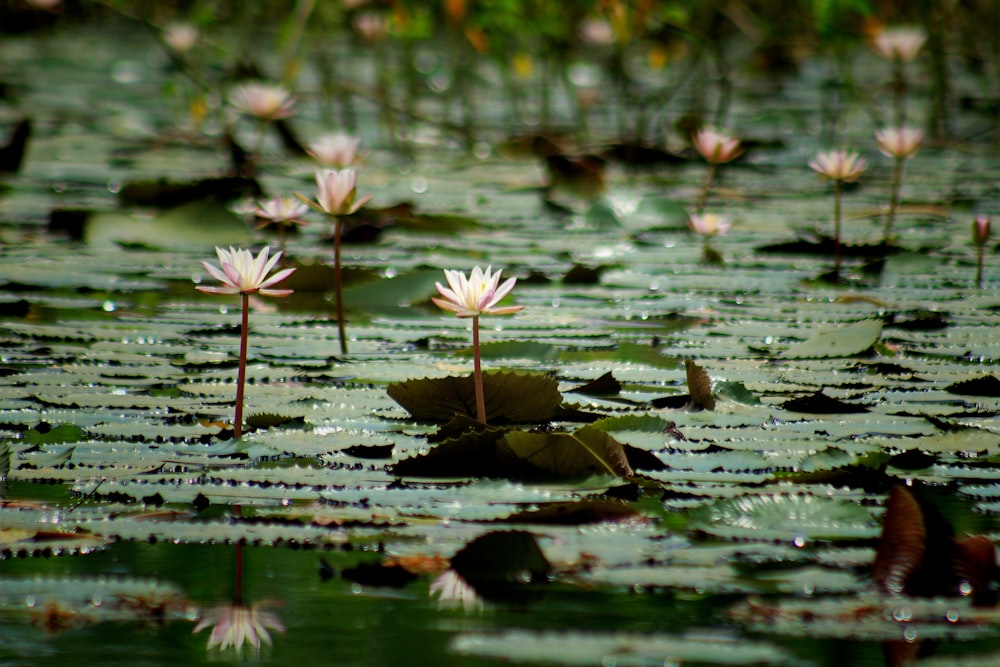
x=237, y=624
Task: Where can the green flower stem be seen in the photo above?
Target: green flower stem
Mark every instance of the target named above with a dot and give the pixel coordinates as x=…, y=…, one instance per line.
x=836, y=228
x=338, y=283
x=241, y=377
x=478, y=372
x=709, y=180
x=897, y=179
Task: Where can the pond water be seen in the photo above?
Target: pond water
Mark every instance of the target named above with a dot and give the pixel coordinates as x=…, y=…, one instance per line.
x=130, y=516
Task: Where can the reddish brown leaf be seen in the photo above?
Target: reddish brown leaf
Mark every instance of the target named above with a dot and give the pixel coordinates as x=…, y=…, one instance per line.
x=974, y=560
x=903, y=544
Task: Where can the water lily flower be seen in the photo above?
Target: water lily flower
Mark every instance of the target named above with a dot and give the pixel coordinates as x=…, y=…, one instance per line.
x=709, y=224
x=452, y=590
x=901, y=142
x=284, y=212
x=841, y=165
x=236, y=625
x=242, y=273
x=337, y=197
x=338, y=192
x=263, y=101
x=981, y=230
x=900, y=43
x=716, y=146
x=476, y=295
x=334, y=150
x=180, y=37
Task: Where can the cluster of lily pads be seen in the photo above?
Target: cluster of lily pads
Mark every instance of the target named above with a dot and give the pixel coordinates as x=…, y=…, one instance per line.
x=633, y=458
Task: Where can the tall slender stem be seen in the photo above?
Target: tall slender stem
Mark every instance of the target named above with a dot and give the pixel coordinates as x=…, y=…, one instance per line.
x=338, y=284
x=478, y=372
x=899, y=91
x=897, y=179
x=979, y=264
x=703, y=199
x=836, y=229
x=241, y=377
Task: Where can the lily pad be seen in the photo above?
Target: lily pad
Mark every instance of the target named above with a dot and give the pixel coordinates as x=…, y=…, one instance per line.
x=511, y=397
x=844, y=341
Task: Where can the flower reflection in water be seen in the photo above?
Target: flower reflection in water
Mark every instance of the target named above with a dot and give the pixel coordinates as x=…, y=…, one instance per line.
x=238, y=625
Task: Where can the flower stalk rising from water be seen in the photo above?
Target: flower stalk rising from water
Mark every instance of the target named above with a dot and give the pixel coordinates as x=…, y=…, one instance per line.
x=471, y=297
x=242, y=273
x=900, y=144
x=840, y=167
x=980, y=235
x=899, y=44
x=284, y=212
x=707, y=226
x=717, y=147
x=336, y=197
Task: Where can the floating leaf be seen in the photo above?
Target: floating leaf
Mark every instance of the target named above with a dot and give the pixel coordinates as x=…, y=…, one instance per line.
x=515, y=349
x=511, y=397
x=575, y=513
x=588, y=451
x=821, y=404
x=606, y=385
x=619, y=648
x=988, y=385
x=843, y=341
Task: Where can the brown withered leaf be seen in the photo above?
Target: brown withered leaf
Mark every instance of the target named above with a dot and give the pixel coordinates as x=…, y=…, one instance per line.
x=903, y=543
x=699, y=386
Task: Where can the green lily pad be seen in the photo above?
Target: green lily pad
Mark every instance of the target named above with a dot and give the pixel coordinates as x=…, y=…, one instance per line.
x=511, y=397
x=588, y=451
x=843, y=341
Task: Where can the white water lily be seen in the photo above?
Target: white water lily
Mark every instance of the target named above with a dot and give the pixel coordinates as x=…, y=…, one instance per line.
x=476, y=295
x=263, y=100
x=242, y=273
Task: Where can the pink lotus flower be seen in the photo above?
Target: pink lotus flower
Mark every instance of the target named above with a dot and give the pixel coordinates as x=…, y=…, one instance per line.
x=844, y=166
x=262, y=100
x=981, y=230
x=334, y=150
x=709, y=224
x=281, y=210
x=476, y=295
x=899, y=143
x=716, y=146
x=338, y=192
x=180, y=37
x=242, y=273
x=901, y=43
x=237, y=625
